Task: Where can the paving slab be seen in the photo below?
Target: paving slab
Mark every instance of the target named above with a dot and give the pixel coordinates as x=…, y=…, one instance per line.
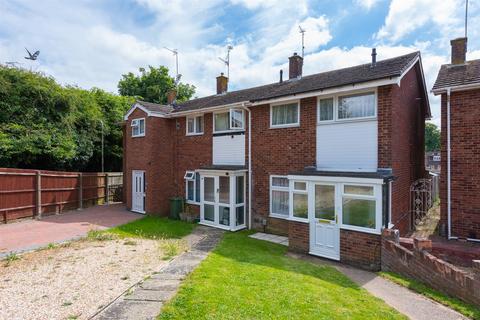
x=413, y=305
x=145, y=300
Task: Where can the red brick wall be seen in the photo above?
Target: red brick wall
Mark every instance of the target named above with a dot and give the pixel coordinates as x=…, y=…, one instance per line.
x=152, y=153
x=279, y=152
x=401, y=141
x=298, y=236
x=424, y=267
x=360, y=249
x=465, y=163
x=191, y=152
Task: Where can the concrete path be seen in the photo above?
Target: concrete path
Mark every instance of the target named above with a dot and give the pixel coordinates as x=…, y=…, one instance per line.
x=32, y=234
x=411, y=304
x=145, y=300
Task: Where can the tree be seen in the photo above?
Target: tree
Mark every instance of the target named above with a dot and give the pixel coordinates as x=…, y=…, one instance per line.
x=152, y=85
x=432, y=137
x=44, y=125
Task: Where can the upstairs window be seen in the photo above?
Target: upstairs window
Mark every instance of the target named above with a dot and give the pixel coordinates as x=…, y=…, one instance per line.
x=285, y=115
x=194, y=125
x=231, y=120
x=356, y=106
x=138, y=127
x=325, y=110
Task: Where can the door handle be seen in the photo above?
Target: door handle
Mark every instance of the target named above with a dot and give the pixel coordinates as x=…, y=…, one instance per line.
x=336, y=218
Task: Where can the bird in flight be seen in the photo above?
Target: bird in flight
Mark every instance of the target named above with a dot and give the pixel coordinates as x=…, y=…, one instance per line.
x=32, y=56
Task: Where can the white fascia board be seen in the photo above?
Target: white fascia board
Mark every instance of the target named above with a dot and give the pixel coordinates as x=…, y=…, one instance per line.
x=335, y=179
x=149, y=113
x=456, y=88
x=347, y=88
x=209, y=109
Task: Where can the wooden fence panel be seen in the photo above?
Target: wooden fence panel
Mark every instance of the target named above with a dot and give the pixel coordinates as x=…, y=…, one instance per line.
x=33, y=193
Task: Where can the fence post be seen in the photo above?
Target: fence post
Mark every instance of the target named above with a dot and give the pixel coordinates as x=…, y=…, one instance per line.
x=80, y=191
x=107, y=189
x=38, y=204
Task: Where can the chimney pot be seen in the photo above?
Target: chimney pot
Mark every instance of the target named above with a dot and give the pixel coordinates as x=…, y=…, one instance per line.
x=374, y=56
x=295, y=66
x=222, y=84
x=171, y=96
x=459, y=50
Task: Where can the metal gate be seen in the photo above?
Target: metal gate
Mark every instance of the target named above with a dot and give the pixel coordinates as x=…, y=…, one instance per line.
x=420, y=200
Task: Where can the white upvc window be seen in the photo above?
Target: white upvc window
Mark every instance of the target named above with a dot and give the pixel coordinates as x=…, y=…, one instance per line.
x=285, y=115
x=138, y=127
x=351, y=107
x=299, y=200
x=361, y=205
x=192, y=187
x=231, y=120
x=279, y=196
x=194, y=125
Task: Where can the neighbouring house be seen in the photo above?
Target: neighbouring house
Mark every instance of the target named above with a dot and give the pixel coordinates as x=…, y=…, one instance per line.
x=458, y=83
x=325, y=159
x=432, y=161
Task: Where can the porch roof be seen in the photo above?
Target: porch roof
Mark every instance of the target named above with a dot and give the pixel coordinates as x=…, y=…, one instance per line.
x=384, y=174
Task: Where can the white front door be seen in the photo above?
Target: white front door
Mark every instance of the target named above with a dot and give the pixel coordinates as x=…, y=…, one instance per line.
x=138, y=191
x=324, y=229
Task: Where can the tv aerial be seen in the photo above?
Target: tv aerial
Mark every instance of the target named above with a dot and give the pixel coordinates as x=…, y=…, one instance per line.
x=302, y=31
x=226, y=61
x=33, y=56
x=12, y=64
x=177, y=75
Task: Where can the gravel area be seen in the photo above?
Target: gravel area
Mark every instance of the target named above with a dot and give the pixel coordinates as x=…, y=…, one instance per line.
x=75, y=280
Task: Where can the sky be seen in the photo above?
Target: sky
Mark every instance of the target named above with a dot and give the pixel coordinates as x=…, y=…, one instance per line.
x=91, y=43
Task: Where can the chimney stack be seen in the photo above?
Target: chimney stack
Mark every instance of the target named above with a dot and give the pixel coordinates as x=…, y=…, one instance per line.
x=171, y=96
x=295, y=66
x=222, y=84
x=374, y=56
x=459, y=50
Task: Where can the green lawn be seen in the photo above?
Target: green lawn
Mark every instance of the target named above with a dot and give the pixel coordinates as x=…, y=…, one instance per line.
x=244, y=278
x=468, y=310
x=153, y=228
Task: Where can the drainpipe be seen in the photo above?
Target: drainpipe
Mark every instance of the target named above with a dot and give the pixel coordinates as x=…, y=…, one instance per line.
x=244, y=107
x=449, y=191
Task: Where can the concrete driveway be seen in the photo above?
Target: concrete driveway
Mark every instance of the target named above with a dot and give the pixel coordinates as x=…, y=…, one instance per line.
x=32, y=234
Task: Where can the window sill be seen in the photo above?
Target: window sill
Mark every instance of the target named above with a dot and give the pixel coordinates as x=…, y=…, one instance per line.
x=278, y=216
x=138, y=136
x=194, y=134
x=192, y=202
x=295, y=219
x=282, y=126
x=360, y=229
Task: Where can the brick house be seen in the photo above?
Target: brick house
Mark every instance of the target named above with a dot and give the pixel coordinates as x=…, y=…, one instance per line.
x=458, y=83
x=326, y=159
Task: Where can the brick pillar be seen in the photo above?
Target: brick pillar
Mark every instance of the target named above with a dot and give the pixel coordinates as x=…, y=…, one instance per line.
x=420, y=244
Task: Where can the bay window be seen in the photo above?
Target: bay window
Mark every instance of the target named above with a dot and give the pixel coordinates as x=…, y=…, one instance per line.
x=285, y=115
x=231, y=120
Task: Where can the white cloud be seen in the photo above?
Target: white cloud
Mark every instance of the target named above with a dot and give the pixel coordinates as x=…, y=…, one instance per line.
x=406, y=16
x=367, y=4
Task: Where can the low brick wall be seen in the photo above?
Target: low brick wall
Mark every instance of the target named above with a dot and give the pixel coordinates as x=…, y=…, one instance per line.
x=420, y=265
